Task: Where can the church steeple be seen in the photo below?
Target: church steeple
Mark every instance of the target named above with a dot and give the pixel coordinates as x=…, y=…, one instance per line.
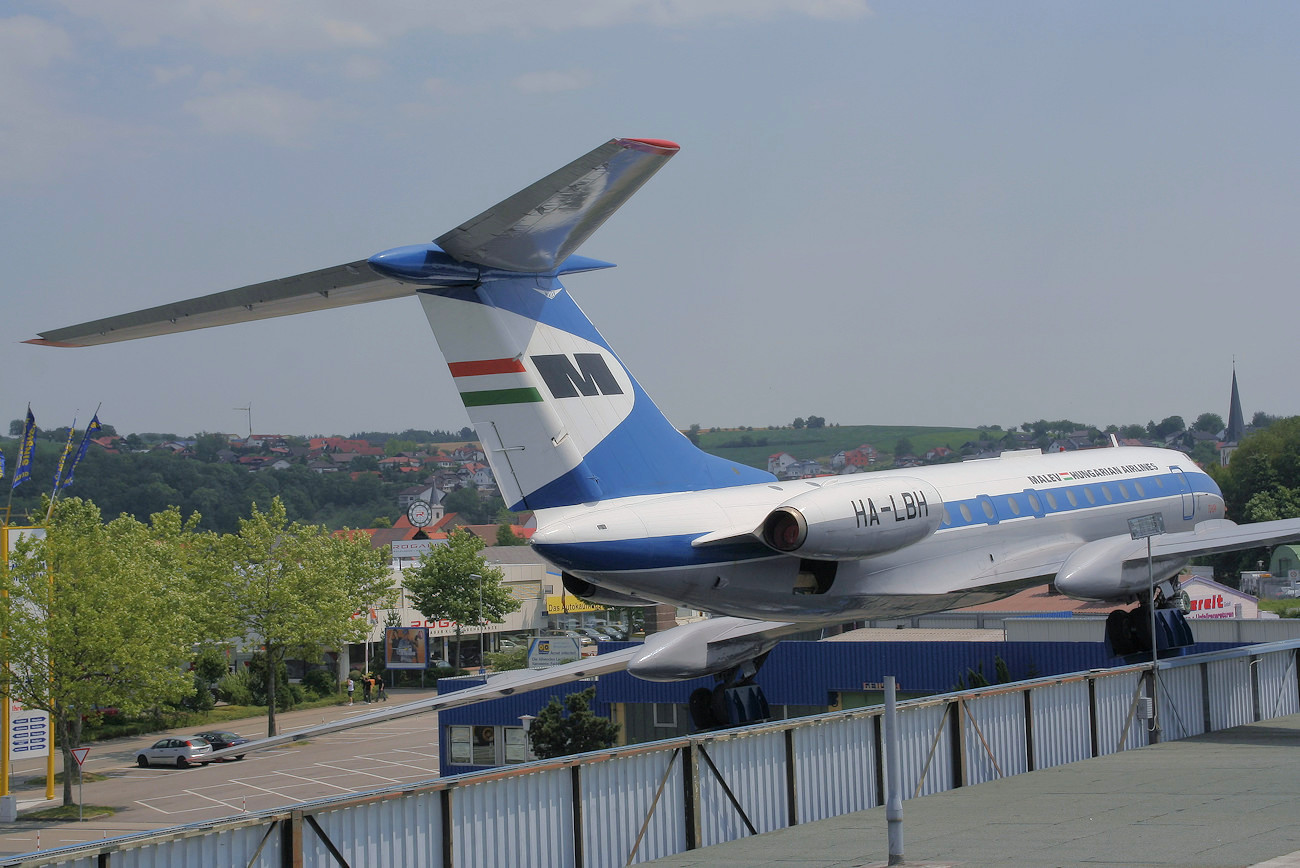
x=1236, y=423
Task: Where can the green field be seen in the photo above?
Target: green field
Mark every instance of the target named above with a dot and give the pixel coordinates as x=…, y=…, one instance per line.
x=822, y=443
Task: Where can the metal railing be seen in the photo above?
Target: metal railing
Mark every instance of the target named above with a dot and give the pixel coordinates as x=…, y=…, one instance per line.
x=635, y=804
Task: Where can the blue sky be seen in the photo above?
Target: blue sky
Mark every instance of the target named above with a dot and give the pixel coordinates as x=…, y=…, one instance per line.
x=899, y=213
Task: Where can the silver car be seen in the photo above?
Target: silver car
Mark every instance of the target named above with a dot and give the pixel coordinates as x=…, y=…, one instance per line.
x=179, y=752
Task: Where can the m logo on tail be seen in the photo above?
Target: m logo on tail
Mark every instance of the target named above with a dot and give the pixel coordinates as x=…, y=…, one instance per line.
x=590, y=375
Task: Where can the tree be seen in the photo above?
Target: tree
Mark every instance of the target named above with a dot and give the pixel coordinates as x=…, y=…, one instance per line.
x=455, y=583
x=288, y=585
x=1208, y=423
x=97, y=616
x=816, y=421
x=903, y=446
x=506, y=536
x=562, y=730
x=798, y=422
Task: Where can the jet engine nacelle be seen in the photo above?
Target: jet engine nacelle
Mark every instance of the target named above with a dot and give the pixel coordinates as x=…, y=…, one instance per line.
x=849, y=520
x=595, y=594
x=1114, y=569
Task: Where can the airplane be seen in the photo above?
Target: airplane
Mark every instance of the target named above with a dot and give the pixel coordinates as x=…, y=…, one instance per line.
x=634, y=514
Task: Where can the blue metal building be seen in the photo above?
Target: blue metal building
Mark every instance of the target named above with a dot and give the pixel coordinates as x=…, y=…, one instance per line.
x=799, y=678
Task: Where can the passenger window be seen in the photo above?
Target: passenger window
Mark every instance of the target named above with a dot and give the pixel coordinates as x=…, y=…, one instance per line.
x=1015, y=507
x=1033, y=503
x=1069, y=495
x=1107, y=493
x=988, y=508
x=1140, y=491
x=965, y=512
x=1087, y=492
x=1123, y=490
x=1051, y=499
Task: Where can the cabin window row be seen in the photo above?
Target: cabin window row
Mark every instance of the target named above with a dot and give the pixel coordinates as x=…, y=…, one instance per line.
x=1031, y=502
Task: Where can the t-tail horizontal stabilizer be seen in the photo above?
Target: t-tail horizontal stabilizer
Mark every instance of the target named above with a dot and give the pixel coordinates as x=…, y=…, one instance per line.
x=534, y=231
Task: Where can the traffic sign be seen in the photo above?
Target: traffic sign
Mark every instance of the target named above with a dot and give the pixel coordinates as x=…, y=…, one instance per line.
x=80, y=754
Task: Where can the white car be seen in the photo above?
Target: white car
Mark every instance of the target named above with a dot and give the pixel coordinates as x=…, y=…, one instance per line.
x=179, y=752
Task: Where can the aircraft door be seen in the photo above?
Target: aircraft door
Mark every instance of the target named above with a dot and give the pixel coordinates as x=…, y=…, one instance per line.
x=1185, y=488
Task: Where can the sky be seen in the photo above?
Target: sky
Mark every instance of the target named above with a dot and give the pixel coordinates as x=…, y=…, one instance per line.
x=901, y=213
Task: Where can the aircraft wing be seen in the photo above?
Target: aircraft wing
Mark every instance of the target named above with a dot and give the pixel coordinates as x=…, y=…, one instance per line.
x=1222, y=535
x=688, y=651
x=497, y=686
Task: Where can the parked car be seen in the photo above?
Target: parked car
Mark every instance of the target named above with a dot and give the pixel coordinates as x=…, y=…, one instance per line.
x=572, y=634
x=592, y=633
x=220, y=740
x=179, y=752
x=613, y=632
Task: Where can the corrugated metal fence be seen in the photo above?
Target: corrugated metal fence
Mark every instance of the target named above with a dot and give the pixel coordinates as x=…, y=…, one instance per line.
x=649, y=801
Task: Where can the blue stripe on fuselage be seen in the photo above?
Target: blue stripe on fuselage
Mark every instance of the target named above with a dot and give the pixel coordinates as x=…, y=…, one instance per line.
x=676, y=551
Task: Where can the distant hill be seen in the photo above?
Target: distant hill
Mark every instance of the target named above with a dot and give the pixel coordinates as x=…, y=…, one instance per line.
x=753, y=446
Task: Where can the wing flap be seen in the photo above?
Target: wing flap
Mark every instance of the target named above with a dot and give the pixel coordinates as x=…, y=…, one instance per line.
x=339, y=286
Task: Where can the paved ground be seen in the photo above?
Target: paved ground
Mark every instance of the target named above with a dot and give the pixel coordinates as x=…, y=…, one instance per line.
x=1227, y=799
x=369, y=758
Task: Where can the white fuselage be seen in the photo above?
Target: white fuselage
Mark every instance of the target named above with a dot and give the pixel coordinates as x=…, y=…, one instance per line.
x=1001, y=524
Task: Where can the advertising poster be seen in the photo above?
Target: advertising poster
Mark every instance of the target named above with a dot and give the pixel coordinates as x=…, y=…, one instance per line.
x=406, y=647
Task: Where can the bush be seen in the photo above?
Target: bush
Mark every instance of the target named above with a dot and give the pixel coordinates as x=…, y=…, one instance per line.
x=320, y=682
x=235, y=689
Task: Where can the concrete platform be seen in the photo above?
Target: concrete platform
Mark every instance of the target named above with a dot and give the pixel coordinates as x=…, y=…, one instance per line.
x=1231, y=798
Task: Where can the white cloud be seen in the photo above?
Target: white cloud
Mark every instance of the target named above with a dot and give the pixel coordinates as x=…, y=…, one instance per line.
x=246, y=27
x=275, y=115
x=553, y=81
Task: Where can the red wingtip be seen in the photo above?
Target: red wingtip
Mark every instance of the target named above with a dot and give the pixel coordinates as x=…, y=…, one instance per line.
x=654, y=146
x=42, y=342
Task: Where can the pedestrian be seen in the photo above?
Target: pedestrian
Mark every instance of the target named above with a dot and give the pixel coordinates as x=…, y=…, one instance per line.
x=351, y=687
x=379, y=685
x=366, y=684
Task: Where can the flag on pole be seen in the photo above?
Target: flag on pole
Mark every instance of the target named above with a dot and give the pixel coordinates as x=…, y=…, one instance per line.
x=67, y=449
x=91, y=430
x=23, y=471
x=2, y=464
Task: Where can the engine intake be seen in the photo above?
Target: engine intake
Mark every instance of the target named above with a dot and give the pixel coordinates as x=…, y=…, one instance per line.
x=857, y=519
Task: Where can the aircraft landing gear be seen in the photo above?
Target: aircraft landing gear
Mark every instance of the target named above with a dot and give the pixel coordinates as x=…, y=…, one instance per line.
x=735, y=700
x=1128, y=633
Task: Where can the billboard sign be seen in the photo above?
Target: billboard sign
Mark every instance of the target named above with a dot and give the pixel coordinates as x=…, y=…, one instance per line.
x=29, y=733
x=406, y=647
x=552, y=651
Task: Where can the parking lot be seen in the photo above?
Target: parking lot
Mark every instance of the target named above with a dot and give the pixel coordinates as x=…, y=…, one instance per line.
x=360, y=760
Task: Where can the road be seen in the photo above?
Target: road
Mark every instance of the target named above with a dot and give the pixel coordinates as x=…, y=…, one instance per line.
x=368, y=758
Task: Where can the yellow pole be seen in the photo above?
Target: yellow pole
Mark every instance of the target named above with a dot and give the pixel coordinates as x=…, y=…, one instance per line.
x=4, y=688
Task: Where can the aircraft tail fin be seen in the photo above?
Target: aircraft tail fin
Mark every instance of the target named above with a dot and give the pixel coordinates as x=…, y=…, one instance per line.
x=561, y=418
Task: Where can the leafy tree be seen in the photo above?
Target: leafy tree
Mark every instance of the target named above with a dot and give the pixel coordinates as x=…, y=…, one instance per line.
x=903, y=446
x=816, y=422
x=288, y=585
x=1133, y=432
x=97, y=616
x=692, y=433
x=506, y=536
x=206, y=446
x=1168, y=425
x=473, y=507
x=455, y=583
x=1259, y=420
x=1208, y=423
x=798, y=422
x=562, y=730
